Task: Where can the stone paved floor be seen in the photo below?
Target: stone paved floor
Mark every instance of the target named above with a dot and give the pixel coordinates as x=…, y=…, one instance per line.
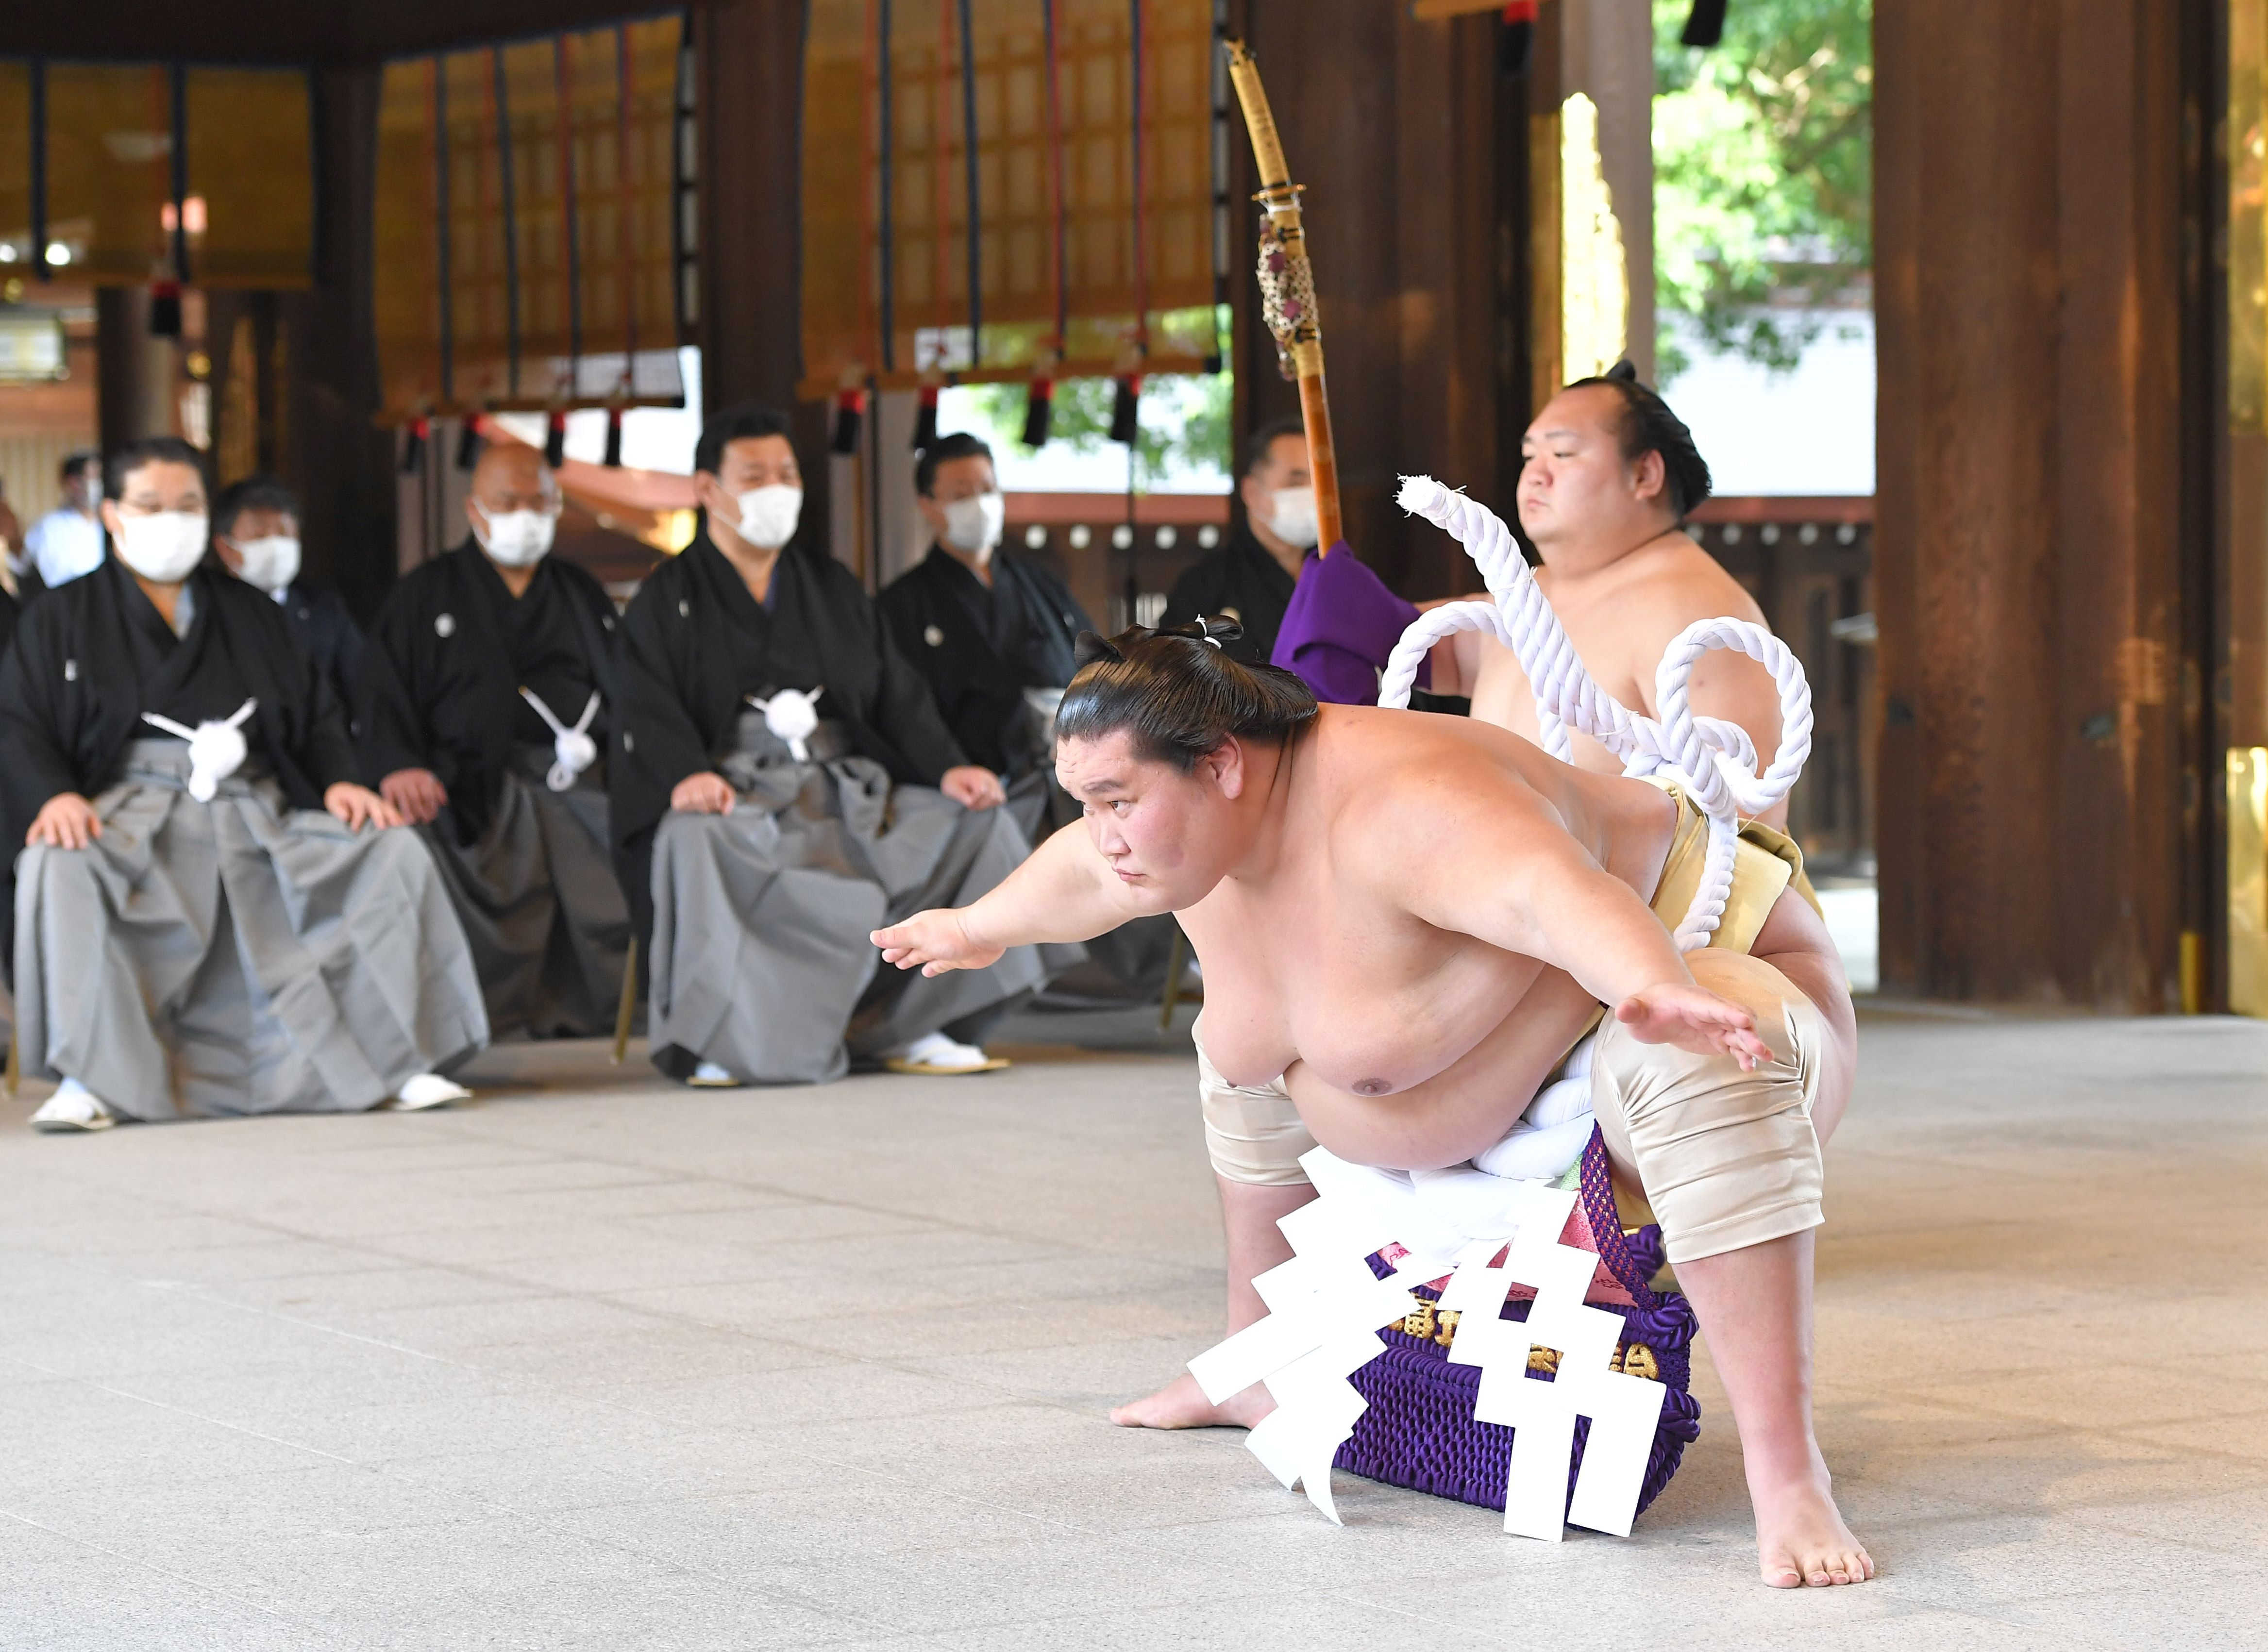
x=603, y=1363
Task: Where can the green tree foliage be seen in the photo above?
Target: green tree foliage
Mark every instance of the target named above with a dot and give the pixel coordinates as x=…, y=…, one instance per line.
x=1763, y=155
x=1184, y=422
x=1193, y=437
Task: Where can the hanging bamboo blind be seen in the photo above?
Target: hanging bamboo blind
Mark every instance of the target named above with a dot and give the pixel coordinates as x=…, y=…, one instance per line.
x=987, y=183
x=133, y=171
x=526, y=199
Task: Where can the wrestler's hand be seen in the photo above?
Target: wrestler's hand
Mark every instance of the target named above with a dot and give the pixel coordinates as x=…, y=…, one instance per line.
x=358, y=806
x=417, y=793
x=935, y=941
x=973, y=787
x=707, y=792
x=1694, y=1018
x=65, y=821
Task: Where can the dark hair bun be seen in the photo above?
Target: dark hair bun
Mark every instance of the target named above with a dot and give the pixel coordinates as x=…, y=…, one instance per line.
x=1205, y=628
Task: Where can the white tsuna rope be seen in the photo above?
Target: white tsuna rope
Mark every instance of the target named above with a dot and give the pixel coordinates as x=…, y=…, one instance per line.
x=1714, y=761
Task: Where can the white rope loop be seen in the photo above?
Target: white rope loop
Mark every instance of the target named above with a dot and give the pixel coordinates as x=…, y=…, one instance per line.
x=217, y=750
x=1714, y=761
x=572, y=749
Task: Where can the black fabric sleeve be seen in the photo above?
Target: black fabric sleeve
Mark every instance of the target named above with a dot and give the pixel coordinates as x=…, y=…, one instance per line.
x=33, y=764
x=905, y=710
x=348, y=648
x=663, y=743
x=393, y=728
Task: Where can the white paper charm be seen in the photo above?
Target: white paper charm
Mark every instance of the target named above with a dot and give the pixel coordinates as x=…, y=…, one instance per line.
x=1325, y=1307
x=217, y=750
x=793, y=716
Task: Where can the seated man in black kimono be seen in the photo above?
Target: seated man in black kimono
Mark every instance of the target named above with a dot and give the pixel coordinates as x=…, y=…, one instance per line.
x=255, y=530
x=487, y=704
x=780, y=775
x=994, y=634
x=1249, y=578
x=211, y=915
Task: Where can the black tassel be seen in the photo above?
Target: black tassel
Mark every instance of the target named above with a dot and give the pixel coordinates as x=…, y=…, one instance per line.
x=413, y=450
x=613, y=458
x=925, y=420
x=1126, y=411
x=555, y=440
x=1704, y=25
x=1516, y=40
x=468, y=442
x=850, y=416
x=1039, y=412
x=165, y=309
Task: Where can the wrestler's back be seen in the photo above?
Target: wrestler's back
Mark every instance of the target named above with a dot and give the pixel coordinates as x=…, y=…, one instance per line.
x=1404, y=1044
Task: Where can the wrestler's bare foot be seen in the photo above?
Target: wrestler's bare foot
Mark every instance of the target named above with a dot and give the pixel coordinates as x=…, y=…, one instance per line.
x=1181, y=1404
x=1801, y=1537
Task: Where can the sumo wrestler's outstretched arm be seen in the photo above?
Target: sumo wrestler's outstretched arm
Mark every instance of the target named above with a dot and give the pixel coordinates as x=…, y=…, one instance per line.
x=1065, y=891
x=1505, y=870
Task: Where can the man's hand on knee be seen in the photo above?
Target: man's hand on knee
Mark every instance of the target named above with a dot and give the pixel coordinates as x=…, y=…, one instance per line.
x=1696, y=1019
x=65, y=821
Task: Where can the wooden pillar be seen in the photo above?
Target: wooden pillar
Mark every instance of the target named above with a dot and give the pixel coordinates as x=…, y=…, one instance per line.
x=134, y=372
x=750, y=80
x=2029, y=554
x=321, y=387
x=1393, y=123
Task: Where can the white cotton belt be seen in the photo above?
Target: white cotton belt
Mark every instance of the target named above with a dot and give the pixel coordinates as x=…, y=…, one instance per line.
x=217, y=750
x=572, y=749
x=1553, y=1131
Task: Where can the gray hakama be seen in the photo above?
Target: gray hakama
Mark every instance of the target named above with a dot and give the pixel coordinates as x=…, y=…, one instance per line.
x=761, y=959
x=536, y=893
x=237, y=956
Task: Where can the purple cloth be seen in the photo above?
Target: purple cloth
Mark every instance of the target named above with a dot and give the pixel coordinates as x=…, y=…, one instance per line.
x=1340, y=628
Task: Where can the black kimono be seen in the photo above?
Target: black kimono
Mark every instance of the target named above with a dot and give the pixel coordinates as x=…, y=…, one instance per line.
x=323, y=625
x=759, y=961
x=523, y=843
x=224, y=946
x=1242, y=581
x=981, y=646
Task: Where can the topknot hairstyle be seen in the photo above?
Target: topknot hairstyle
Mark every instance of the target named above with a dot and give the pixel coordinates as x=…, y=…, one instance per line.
x=1648, y=426
x=1178, y=694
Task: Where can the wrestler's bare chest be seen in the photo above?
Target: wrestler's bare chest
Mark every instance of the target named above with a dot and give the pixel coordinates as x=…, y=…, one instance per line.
x=1402, y=1043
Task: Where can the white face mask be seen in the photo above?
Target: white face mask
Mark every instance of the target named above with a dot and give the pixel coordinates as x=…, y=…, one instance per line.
x=164, y=546
x=517, y=539
x=975, y=525
x=1292, y=518
x=270, y=564
x=769, y=515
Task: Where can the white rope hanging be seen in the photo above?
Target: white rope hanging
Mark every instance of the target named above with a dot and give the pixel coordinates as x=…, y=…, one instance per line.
x=1714, y=761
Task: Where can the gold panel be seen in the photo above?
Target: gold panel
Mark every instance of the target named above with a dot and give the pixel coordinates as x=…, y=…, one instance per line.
x=2248, y=880
x=251, y=178
x=110, y=168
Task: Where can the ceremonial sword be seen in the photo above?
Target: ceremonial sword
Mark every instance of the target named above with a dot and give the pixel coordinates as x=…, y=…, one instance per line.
x=1288, y=287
